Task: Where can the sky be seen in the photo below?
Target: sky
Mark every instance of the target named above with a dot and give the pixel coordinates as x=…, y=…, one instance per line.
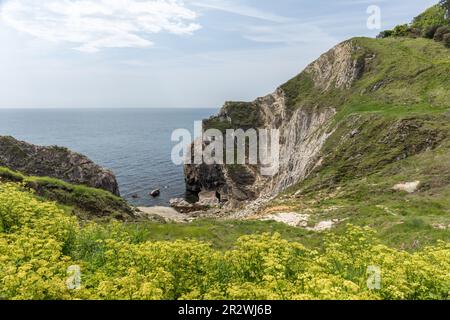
x=170, y=53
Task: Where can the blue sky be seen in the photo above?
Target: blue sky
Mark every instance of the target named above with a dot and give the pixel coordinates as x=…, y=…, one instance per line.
x=170, y=53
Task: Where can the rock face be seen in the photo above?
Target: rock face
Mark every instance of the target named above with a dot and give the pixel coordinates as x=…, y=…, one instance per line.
x=328, y=118
x=208, y=199
x=55, y=162
x=182, y=206
x=338, y=68
x=302, y=133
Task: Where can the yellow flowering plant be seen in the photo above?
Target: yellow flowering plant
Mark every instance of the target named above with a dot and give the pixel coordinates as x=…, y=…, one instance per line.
x=39, y=243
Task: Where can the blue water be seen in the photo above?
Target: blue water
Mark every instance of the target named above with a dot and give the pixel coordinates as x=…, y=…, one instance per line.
x=134, y=143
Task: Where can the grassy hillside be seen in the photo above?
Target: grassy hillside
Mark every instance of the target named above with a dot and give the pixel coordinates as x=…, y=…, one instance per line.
x=392, y=126
x=433, y=23
x=401, y=76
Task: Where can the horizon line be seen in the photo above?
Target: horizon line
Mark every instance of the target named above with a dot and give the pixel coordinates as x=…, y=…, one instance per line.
x=100, y=107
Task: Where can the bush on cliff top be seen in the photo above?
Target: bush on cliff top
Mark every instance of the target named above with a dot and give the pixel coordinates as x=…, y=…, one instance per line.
x=433, y=16
x=424, y=25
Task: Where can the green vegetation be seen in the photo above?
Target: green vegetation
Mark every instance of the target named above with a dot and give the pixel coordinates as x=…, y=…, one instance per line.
x=39, y=242
x=391, y=126
x=241, y=115
x=434, y=16
x=355, y=180
x=425, y=25
x=221, y=234
x=401, y=75
x=83, y=201
x=402, y=30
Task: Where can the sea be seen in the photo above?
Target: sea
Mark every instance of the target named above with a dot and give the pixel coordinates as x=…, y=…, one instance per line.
x=134, y=143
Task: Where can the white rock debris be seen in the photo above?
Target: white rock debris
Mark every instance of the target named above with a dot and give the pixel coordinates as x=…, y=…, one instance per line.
x=409, y=187
x=292, y=219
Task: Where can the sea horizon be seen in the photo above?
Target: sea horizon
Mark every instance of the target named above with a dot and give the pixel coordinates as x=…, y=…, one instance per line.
x=134, y=143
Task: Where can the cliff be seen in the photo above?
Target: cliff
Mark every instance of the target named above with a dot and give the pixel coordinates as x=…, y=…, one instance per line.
x=55, y=162
x=362, y=105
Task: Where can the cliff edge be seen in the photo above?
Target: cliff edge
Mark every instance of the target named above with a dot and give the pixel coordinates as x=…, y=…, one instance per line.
x=55, y=162
x=360, y=106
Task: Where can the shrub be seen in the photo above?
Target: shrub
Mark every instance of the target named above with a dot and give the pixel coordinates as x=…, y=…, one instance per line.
x=385, y=34
x=446, y=40
x=401, y=31
x=440, y=32
x=415, y=32
x=428, y=32
x=434, y=16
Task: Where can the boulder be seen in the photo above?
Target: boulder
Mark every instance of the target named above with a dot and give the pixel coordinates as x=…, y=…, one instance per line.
x=409, y=187
x=183, y=206
x=208, y=199
x=180, y=204
x=155, y=193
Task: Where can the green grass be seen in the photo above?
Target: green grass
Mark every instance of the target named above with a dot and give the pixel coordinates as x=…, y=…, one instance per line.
x=407, y=71
x=10, y=175
x=405, y=75
x=221, y=234
x=355, y=185
x=433, y=16
x=85, y=202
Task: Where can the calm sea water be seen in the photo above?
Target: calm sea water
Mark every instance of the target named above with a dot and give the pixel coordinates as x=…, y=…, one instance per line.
x=134, y=143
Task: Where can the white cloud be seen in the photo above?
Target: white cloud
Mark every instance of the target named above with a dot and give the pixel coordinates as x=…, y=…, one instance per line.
x=92, y=25
x=240, y=9
x=288, y=34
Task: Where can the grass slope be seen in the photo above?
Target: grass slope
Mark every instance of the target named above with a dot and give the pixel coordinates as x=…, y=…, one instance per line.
x=406, y=76
x=392, y=126
x=85, y=202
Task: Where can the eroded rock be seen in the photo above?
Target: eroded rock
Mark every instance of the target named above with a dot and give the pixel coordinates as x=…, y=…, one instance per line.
x=208, y=199
x=56, y=162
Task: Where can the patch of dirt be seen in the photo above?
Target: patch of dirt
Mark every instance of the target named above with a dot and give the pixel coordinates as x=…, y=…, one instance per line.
x=277, y=209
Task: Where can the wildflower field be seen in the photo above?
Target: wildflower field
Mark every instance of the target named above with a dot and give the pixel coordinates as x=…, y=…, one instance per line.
x=40, y=244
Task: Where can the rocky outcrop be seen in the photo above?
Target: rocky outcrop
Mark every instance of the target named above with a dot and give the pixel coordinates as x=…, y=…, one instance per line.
x=331, y=121
x=339, y=68
x=302, y=135
x=303, y=131
x=55, y=162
